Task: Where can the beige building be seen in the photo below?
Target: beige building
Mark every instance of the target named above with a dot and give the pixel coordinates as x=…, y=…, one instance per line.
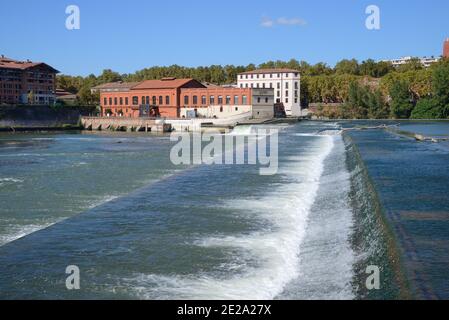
x=285, y=83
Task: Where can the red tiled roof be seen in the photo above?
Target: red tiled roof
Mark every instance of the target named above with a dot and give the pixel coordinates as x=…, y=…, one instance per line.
x=278, y=70
x=116, y=85
x=8, y=63
x=167, y=83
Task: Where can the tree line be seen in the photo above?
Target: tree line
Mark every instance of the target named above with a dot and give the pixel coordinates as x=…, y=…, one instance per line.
x=368, y=89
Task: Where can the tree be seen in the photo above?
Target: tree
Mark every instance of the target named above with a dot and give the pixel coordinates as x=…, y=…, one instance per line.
x=347, y=67
x=427, y=108
x=401, y=100
x=412, y=65
x=440, y=86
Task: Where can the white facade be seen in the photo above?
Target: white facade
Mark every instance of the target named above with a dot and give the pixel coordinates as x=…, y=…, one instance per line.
x=285, y=82
x=425, y=61
x=262, y=107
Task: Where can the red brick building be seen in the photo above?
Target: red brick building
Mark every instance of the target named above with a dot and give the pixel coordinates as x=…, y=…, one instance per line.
x=181, y=98
x=26, y=82
x=446, y=48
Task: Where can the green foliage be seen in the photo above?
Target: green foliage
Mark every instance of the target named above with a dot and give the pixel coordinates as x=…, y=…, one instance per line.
x=413, y=65
x=347, y=67
x=401, y=105
x=427, y=108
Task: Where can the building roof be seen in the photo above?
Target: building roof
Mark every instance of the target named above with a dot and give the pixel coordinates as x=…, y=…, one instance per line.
x=167, y=83
x=116, y=86
x=275, y=70
x=7, y=63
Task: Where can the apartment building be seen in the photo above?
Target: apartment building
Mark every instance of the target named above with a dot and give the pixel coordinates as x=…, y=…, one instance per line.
x=27, y=82
x=285, y=83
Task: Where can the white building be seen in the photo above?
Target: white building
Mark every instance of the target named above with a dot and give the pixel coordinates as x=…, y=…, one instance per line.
x=425, y=61
x=285, y=82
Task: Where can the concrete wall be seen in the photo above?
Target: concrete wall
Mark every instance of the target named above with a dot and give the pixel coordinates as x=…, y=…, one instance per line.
x=40, y=116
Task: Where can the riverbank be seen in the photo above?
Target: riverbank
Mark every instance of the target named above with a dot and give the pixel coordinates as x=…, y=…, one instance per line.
x=41, y=118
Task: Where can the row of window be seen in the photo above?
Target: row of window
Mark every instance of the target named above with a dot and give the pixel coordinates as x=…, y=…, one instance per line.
x=147, y=100
x=270, y=86
x=265, y=75
x=11, y=86
x=278, y=100
x=228, y=99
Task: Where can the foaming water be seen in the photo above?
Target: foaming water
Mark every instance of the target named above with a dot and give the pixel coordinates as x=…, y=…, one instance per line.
x=210, y=232
x=275, y=247
x=326, y=256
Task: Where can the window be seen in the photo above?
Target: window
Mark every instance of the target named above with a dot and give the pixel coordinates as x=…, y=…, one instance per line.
x=110, y=101
x=252, y=85
x=147, y=100
x=154, y=100
x=286, y=93
x=212, y=100
x=263, y=76
x=278, y=85
x=247, y=85
x=195, y=100
x=105, y=101
x=287, y=75
x=241, y=85
x=236, y=99
x=286, y=100
x=203, y=100
x=271, y=85
x=220, y=99
x=246, y=76
x=279, y=75
x=257, y=76
x=296, y=74
x=228, y=100
x=278, y=100
x=115, y=101
x=286, y=85
x=296, y=93
x=258, y=100
x=266, y=100
x=252, y=76
x=257, y=86
x=263, y=85
x=135, y=100
x=161, y=100
x=296, y=100
x=244, y=100
x=186, y=100
x=126, y=101
x=296, y=85
x=278, y=93
x=143, y=100
x=271, y=76
x=121, y=101
x=167, y=100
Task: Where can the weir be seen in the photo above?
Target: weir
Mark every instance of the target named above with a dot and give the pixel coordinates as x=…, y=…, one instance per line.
x=125, y=124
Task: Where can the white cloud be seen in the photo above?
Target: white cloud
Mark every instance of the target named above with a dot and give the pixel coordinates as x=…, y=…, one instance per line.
x=268, y=22
x=291, y=22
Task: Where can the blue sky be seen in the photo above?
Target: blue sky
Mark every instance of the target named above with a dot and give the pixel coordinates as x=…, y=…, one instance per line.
x=130, y=35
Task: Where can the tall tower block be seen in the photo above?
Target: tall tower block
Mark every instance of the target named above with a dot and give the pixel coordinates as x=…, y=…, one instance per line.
x=446, y=48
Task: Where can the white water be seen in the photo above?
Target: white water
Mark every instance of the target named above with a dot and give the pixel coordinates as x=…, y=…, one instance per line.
x=277, y=248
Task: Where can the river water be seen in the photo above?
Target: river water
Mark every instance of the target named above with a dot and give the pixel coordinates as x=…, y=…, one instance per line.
x=139, y=227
